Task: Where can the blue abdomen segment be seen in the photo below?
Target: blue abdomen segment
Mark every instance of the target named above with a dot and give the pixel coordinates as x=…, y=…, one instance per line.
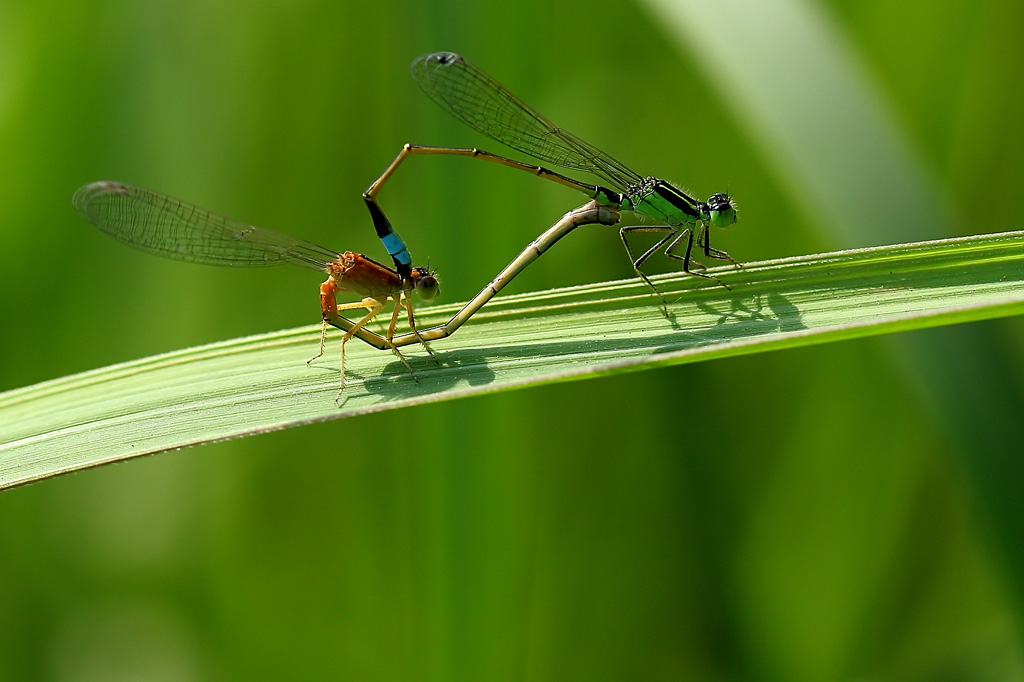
x=396, y=248
x=392, y=242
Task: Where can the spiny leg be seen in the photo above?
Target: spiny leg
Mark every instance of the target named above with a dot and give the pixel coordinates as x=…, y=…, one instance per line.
x=393, y=347
x=686, y=258
x=323, y=340
x=637, y=262
x=377, y=341
x=374, y=307
x=705, y=241
x=336, y=309
x=405, y=301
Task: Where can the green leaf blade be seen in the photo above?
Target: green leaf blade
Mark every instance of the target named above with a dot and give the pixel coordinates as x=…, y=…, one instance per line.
x=262, y=383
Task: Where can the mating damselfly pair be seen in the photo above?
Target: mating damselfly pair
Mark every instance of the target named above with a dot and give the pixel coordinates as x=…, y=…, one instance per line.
x=168, y=227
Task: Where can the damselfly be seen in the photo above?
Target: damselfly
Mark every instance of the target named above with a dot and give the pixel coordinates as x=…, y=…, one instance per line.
x=168, y=227
x=472, y=96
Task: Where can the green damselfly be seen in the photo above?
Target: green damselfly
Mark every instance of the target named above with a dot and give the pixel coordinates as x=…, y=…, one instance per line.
x=472, y=96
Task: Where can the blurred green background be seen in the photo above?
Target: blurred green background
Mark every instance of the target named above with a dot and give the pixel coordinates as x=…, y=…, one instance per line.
x=847, y=511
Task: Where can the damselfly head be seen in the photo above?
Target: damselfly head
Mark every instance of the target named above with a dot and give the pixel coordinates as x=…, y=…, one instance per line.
x=722, y=210
x=424, y=283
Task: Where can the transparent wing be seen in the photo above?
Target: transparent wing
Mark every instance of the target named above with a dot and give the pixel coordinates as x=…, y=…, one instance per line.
x=470, y=95
x=168, y=227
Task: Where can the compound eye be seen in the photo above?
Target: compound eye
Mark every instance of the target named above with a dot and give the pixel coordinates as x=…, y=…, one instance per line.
x=426, y=284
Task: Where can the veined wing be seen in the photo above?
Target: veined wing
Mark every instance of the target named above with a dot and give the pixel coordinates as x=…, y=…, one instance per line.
x=470, y=95
x=168, y=227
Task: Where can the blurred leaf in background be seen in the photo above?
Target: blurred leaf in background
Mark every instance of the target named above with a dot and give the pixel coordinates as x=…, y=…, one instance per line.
x=835, y=512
